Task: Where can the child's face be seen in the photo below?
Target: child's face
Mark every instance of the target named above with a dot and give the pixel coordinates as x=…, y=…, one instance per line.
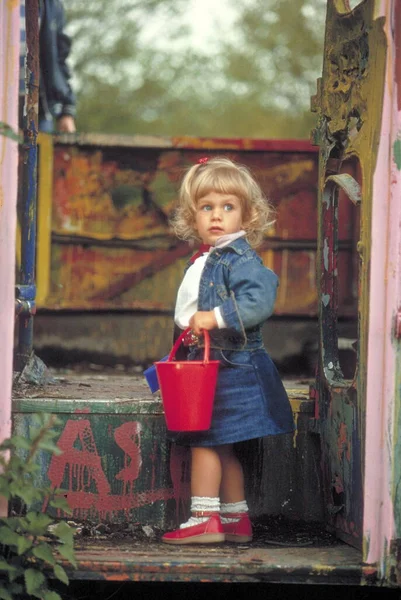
x=216, y=215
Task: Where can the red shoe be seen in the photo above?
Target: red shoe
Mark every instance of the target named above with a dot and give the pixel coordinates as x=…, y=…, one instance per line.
x=208, y=532
x=238, y=531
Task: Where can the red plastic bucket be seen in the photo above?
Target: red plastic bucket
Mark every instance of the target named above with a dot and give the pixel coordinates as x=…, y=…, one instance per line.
x=187, y=389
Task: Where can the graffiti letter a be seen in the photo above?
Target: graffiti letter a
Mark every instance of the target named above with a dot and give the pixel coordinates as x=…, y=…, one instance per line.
x=82, y=466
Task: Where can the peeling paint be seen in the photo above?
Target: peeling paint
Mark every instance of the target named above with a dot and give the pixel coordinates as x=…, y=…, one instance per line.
x=326, y=254
x=106, y=242
x=326, y=299
x=349, y=103
x=80, y=472
x=397, y=153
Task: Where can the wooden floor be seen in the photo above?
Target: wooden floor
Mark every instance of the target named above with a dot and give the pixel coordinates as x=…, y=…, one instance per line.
x=338, y=564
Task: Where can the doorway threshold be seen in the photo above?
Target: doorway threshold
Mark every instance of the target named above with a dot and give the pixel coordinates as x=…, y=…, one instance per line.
x=154, y=561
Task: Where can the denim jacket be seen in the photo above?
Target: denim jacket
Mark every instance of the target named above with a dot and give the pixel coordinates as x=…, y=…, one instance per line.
x=235, y=279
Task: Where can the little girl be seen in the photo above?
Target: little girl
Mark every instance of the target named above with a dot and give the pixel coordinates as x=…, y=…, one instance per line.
x=229, y=292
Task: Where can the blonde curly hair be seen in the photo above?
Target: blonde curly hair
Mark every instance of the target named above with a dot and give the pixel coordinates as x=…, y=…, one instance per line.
x=223, y=176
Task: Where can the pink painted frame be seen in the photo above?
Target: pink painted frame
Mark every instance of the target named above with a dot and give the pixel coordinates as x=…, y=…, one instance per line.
x=9, y=70
x=385, y=300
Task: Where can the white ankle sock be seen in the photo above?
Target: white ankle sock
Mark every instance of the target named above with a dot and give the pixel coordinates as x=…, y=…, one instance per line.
x=233, y=507
x=201, y=503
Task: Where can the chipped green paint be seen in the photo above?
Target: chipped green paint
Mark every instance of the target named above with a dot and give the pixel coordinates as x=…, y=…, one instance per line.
x=397, y=153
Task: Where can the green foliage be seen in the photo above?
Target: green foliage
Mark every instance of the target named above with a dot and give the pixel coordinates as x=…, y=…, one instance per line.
x=257, y=82
x=31, y=542
x=9, y=132
x=272, y=62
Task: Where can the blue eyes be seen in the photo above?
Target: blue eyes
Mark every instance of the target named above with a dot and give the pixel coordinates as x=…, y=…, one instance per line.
x=208, y=207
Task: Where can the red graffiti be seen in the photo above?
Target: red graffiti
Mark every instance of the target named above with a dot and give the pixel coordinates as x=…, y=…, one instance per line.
x=79, y=472
x=84, y=464
x=343, y=446
x=127, y=437
x=338, y=484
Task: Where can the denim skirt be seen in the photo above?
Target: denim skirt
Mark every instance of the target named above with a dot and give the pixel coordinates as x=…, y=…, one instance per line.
x=250, y=400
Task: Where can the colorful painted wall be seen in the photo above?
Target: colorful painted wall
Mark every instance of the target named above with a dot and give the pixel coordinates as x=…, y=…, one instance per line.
x=108, y=207
x=108, y=265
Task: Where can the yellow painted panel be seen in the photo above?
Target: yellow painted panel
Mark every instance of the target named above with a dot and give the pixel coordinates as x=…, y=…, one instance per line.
x=44, y=219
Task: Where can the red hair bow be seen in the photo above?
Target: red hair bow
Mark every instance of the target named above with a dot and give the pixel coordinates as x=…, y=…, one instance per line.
x=203, y=160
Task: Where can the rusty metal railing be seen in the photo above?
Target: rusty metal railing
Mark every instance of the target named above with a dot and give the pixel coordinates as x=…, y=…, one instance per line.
x=25, y=288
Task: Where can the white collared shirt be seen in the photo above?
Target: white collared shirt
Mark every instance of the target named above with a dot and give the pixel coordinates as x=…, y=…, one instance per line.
x=188, y=292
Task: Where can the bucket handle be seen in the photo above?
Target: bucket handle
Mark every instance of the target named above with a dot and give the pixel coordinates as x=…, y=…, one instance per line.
x=181, y=337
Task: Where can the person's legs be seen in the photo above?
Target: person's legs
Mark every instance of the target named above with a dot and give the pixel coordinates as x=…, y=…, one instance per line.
x=232, y=476
x=217, y=475
x=204, y=525
x=205, y=485
x=234, y=509
x=206, y=472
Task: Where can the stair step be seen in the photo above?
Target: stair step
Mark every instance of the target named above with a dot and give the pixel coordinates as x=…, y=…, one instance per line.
x=153, y=562
x=117, y=466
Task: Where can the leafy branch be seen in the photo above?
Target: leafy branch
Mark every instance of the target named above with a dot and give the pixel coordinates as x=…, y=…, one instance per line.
x=9, y=132
x=32, y=544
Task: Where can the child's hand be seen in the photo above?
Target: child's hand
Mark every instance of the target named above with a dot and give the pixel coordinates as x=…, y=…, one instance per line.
x=203, y=319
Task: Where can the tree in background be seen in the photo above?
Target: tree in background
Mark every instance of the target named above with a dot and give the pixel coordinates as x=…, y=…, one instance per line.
x=273, y=64
x=119, y=82
x=257, y=84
